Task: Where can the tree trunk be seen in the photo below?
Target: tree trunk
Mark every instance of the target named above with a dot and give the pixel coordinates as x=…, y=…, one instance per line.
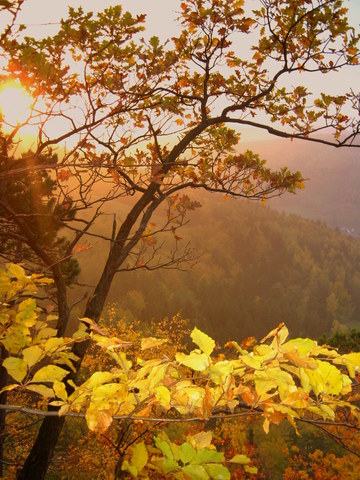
x=39, y=458
x=37, y=463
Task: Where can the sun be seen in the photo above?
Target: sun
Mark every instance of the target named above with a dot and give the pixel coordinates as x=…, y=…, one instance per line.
x=15, y=103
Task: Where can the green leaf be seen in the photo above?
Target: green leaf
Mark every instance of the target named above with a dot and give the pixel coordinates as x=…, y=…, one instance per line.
x=251, y=470
x=164, y=447
x=206, y=456
x=203, y=341
x=32, y=355
x=154, y=41
x=50, y=373
x=217, y=472
x=169, y=465
x=139, y=456
x=16, y=368
x=130, y=468
x=241, y=459
x=196, y=472
x=186, y=452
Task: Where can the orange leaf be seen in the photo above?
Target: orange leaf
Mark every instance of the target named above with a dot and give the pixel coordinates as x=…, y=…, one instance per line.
x=207, y=403
x=80, y=248
x=63, y=175
x=248, y=343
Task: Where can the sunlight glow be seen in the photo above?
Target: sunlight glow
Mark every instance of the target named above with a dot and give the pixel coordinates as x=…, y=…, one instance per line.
x=15, y=103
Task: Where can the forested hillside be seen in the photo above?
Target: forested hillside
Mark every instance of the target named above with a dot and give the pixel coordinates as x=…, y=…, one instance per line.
x=258, y=268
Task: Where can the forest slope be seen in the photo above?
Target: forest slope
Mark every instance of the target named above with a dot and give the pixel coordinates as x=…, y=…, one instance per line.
x=258, y=268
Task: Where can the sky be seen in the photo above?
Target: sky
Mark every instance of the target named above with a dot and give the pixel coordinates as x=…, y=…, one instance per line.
x=161, y=21
x=42, y=18
x=161, y=14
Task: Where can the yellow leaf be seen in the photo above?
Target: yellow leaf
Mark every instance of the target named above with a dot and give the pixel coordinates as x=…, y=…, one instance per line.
x=220, y=370
x=280, y=333
x=352, y=362
x=325, y=379
x=15, y=271
x=8, y=388
x=303, y=346
x=156, y=375
x=139, y=456
x=162, y=395
x=46, y=332
x=32, y=355
x=251, y=470
x=108, y=396
x=54, y=343
x=151, y=342
x=203, y=341
x=273, y=378
x=16, y=368
x=50, y=373
x=201, y=440
x=60, y=390
x=301, y=361
x=109, y=343
x=64, y=409
x=297, y=399
x=41, y=390
x=98, y=420
x=195, y=361
x=98, y=378
x=327, y=412
x=266, y=425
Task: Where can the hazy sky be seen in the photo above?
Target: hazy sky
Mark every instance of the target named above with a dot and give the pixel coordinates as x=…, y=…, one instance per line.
x=161, y=21
x=160, y=13
x=42, y=17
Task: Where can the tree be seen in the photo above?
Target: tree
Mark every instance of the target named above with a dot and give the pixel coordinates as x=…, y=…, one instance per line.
x=145, y=121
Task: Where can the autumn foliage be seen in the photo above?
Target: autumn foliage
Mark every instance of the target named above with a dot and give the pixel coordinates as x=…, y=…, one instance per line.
x=147, y=122
x=277, y=379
